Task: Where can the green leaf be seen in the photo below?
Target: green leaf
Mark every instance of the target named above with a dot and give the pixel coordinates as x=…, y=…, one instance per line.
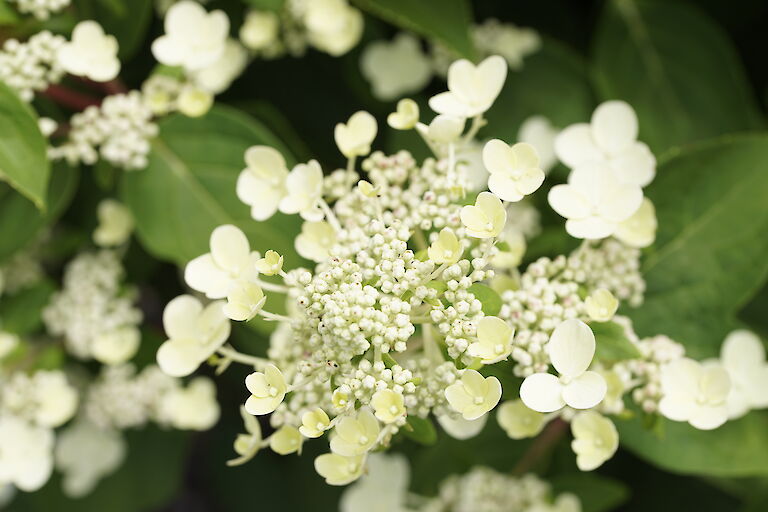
x=596, y=493
x=23, y=149
x=490, y=299
x=612, y=343
x=127, y=21
x=150, y=477
x=738, y=448
x=685, y=84
x=711, y=251
x=22, y=313
x=266, y=5
x=421, y=430
x=188, y=189
x=553, y=83
x=15, y=235
x=444, y=21
x=8, y=15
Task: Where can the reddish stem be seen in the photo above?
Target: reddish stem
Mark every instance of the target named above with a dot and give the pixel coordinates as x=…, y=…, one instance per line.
x=71, y=99
x=115, y=86
x=542, y=445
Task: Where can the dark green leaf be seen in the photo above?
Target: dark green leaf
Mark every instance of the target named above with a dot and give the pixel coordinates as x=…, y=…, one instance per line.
x=712, y=250
x=676, y=68
x=612, y=343
x=444, y=21
x=490, y=299
x=23, y=149
x=421, y=430
x=266, y=5
x=188, y=189
x=22, y=313
x=15, y=235
x=596, y=493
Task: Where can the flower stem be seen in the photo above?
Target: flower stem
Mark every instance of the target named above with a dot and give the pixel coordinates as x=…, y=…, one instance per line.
x=69, y=98
x=274, y=317
x=541, y=446
x=330, y=215
x=239, y=357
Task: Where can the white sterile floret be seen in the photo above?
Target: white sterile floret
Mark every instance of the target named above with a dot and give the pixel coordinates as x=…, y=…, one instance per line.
x=116, y=346
x=333, y=26
x=315, y=240
x=471, y=89
x=743, y=356
x=268, y=388
x=91, y=53
x=486, y=218
x=695, y=392
x=445, y=129
x=259, y=30
x=193, y=37
x=191, y=408
x=611, y=138
x=383, y=488
x=244, y=300
x=473, y=395
x=356, y=136
x=571, y=349
x=355, y=435
x=406, y=116
x=261, y=185
x=194, y=101
x=594, y=201
x=194, y=334
x=26, y=453
x=446, y=248
x=115, y=223
x=85, y=454
x=595, y=439
x=494, y=340
x=459, y=428
x=367, y=189
x=519, y=421
x=247, y=445
x=49, y=399
x=286, y=440
x=216, y=77
x=338, y=469
x=539, y=133
x=229, y=262
x=395, y=68
x=514, y=171
x=601, y=305
x=271, y=264
x=639, y=230
x=314, y=423
x=304, y=186
x=388, y=405
x=8, y=342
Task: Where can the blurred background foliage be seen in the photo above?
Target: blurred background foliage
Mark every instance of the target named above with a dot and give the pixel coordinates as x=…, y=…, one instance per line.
x=695, y=73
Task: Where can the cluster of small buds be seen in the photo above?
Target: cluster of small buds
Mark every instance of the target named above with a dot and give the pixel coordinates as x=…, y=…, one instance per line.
x=41, y=9
x=122, y=398
x=21, y=270
x=541, y=303
x=91, y=304
x=429, y=395
x=609, y=264
x=31, y=66
x=656, y=351
x=336, y=184
x=490, y=491
x=368, y=378
x=119, y=131
x=160, y=93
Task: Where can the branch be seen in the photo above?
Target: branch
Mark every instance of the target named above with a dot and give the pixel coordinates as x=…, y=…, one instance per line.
x=71, y=99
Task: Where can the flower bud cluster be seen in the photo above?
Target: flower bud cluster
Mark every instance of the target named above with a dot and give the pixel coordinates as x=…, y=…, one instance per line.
x=119, y=131
x=31, y=66
x=92, y=304
x=656, y=352
x=41, y=9
x=610, y=265
x=488, y=490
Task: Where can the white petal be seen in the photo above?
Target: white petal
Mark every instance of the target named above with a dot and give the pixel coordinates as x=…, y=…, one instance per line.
x=542, y=392
x=460, y=428
x=179, y=358
x=708, y=417
x=591, y=228
x=635, y=165
x=449, y=104
x=504, y=187
x=575, y=146
x=230, y=248
x=676, y=407
x=571, y=347
x=204, y=275
x=614, y=126
x=585, y=391
x=491, y=74
x=742, y=350
x=497, y=156
x=568, y=202
x=180, y=318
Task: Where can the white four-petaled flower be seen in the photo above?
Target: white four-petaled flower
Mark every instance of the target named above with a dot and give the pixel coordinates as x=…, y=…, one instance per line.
x=611, y=138
x=355, y=435
x=486, y=218
x=743, y=356
x=304, y=186
x=91, y=53
x=595, y=439
x=695, y=392
x=494, y=340
x=473, y=395
x=315, y=240
x=571, y=349
x=354, y=138
x=471, y=89
x=268, y=388
x=261, y=185
x=514, y=171
x=594, y=201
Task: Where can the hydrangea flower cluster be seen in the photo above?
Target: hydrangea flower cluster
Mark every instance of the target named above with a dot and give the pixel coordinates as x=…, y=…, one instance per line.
x=31, y=66
x=40, y=9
